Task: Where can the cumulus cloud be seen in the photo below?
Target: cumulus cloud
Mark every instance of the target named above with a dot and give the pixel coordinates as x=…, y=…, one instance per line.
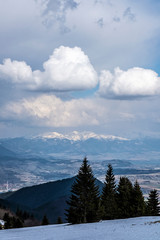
x=51, y=111
x=18, y=72
x=135, y=82
x=66, y=69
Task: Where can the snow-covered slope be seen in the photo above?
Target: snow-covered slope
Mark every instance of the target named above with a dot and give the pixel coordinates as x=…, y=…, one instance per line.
x=80, y=136
x=144, y=228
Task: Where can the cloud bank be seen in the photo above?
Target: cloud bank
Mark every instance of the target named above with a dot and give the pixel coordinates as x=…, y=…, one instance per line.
x=51, y=111
x=67, y=69
x=133, y=83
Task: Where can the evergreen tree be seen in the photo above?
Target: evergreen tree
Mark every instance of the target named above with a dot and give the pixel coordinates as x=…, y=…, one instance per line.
x=124, y=198
x=7, y=221
x=138, y=201
x=84, y=200
x=25, y=215
x=18, y=223
x=45, y=220
x=12, y=222
x=59, y=220
x=108, y=198
x=153, y=208
x=19, y=213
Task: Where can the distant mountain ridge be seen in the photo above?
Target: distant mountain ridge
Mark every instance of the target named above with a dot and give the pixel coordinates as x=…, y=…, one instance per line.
x=4, y=152
x=29, y=161
x=81, y=136
x=84, y=143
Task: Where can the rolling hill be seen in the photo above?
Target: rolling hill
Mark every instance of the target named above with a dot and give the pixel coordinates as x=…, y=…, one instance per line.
x=48, y=198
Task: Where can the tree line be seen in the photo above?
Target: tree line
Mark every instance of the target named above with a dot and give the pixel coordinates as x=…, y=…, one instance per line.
x=124, y=200
x=23, y=219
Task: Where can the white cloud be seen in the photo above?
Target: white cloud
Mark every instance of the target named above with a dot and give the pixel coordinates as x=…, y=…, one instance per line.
x=30, y=30
x=66, y=69
x=51, y=111
x=18, y=72
x=135, y=82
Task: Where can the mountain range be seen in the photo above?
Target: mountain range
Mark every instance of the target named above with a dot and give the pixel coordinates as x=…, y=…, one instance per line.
x=54, y=156
x=85, y=143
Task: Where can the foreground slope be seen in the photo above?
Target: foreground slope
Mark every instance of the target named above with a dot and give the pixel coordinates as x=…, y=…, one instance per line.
x=144, y=228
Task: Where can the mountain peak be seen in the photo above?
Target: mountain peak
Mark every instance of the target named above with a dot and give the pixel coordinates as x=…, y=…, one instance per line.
x=78, y=136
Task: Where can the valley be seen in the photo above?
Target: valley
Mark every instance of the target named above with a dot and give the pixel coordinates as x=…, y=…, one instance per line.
x=26, y=162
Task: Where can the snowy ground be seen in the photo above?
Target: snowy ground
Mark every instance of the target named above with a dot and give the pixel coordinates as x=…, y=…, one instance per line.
x=144, y=228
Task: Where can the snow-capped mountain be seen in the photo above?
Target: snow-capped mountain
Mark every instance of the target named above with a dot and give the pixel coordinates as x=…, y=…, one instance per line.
x=53, y=156
x=82, y=136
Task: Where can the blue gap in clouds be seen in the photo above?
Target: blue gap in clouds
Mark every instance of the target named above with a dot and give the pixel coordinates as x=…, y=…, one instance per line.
x=85, y=93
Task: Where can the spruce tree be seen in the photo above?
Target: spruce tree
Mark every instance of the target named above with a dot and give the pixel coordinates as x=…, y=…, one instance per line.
x=18, y=223
x=108, y=198
x=59, y=220
x=7, y=221
x=45, y=220
x=124, y=198
x=153, y=208
x=138, y=201
x=84, y=199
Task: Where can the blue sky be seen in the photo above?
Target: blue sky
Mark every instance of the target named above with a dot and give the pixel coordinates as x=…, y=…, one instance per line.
x=79, y=65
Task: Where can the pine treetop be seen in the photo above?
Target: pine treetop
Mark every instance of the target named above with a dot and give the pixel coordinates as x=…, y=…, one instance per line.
x=85, y=196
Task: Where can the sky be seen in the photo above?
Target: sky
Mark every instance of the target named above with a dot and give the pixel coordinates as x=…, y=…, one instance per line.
x=69, y=65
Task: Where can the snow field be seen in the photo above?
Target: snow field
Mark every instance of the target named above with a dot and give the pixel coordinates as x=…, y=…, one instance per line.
x=143, y=228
